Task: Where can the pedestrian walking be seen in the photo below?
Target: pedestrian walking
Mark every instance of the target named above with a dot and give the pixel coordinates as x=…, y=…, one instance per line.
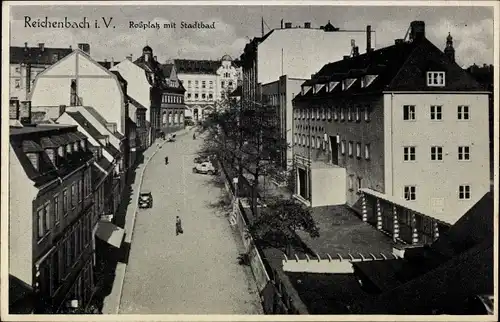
x=178, y=226
x=166, y=160
x=194, y=136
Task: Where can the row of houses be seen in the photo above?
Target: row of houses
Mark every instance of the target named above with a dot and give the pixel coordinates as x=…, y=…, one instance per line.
x=390, y=146
x=73, y=143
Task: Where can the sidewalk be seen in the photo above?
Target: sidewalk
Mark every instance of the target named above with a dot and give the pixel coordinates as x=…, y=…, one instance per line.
x=112, y=301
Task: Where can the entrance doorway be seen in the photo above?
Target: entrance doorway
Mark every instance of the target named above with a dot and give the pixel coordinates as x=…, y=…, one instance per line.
x=334, y=147
x=302, y=183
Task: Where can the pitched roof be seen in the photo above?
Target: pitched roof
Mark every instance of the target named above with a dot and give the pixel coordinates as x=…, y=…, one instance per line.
x=167, y=69
x=119, y=76
x=136, y=103
x=102, y=120
x=400, y=67
x=86, y=125
x=35, y=55
x=192, y=66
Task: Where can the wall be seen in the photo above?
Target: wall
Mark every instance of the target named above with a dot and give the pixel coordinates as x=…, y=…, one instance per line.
x=138, y=86
x=369, y=132
x=438, y=179
x=292, y=88
x=20, y=75
x=52, y=87
x=22, y=193
x=333, y=179
x=305, y=51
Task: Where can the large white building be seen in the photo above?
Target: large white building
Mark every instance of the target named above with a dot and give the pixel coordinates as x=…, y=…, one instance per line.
x=206, y=82
x=297, y=52
x=404, y=124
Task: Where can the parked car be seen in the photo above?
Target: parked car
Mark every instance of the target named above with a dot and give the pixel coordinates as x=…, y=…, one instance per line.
x=145, y=200
x=205, y=168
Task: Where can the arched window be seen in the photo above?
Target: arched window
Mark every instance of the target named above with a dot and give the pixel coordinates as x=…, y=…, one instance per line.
x=164, y=118
x=170, y=118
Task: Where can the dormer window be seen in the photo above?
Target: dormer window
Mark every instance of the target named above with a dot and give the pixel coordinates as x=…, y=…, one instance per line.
x=367, y=80
x=34, y=158
x=318, y=88
x=60, y=151
x=51, y=154
x=332, y=85
x=76, y=146
x=68, y=149
x=347, y=83
x=83, y=145
x=436, y=79
x=305, y=89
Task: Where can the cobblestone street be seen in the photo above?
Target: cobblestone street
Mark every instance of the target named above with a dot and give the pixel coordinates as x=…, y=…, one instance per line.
x=193, y=273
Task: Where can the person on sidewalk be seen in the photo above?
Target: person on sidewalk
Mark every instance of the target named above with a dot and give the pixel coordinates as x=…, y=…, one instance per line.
x=166, y=160
x=178, y=226
x=194, y=136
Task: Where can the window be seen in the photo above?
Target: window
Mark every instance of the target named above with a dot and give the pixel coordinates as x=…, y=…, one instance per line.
x=349, y=148
x=464, y=192
x=17, y=83
x=436, y=112
x=65, y=202
x=342, y=147
x=359, y=182
x=68, y=252
x=367, y=151
x=18, y=69
x=319, y=143
x=189, y=95
x=335, y=114
x=196, y=83
x=73, y=195
x=436, y=153
x=358, y=116
x=463, y=112
x=409, y=112
x=351, y=183
x=40, y=216
x=189, y=83
x=358, y=150
x=196, y=95
x=409, y=153
x=210, y=96
x=203, y=96
x=342, y=117
x=367, y=113
x=410, y=193
x=230, y=83
x=313, y=142
x=329, y=113
x=211, y=84
x=203, y=84
x=435, y=78
x=57, y=213
x=317, y=113
x=463, y=153
x=222, y=84
x=349, y=114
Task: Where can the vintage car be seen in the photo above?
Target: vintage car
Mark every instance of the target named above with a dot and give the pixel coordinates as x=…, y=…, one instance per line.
x=145, y=200
x=205, y=168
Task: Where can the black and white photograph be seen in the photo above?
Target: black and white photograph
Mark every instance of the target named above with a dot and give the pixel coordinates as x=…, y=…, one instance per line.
x=229, y=160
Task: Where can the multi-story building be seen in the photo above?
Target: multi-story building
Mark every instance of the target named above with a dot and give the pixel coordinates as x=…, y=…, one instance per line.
x=27, y=62
x=206, y=82
x=297, y=52
x=166, y=95
x=404, y=123
x=139, y=97
x=50, y=215
x=279, y=95
x=78, y=80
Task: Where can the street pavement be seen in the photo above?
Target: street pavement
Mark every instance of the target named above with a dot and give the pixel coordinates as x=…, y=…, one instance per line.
x=193, y=273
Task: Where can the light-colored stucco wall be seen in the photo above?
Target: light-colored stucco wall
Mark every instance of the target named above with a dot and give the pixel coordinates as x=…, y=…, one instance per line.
x=137, y=84
x=305, y=51
x=21, y=195
x=94, y=82
x=437, y=179
x=328, y=186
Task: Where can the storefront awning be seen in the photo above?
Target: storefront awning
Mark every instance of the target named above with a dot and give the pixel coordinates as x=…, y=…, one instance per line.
x=110, y=233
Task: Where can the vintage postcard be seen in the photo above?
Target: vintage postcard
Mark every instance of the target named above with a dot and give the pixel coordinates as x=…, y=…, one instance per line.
x=231, y=160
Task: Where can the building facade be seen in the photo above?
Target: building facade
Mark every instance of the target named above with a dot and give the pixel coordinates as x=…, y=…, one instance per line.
x=166, y=94
x=51, y=219
x=296, y=52
x=207, y=82
x=410, y=130
x=27, y=62
x=279, y=95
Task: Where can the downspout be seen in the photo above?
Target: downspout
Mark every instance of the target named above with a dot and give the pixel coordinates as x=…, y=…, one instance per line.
x=392, y=144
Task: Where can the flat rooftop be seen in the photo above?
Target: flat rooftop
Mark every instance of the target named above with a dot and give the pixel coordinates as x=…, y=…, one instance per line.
x=343, y=232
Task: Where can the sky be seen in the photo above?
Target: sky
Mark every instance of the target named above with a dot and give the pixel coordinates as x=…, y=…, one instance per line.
x=471, y=28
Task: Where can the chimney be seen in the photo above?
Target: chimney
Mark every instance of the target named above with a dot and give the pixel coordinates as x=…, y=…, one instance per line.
x=25, y=46
x=70, y=47
x=112, y=62
x=368, y=38
x=41, y=46
x=417, y=30
x=155, y=58
x=346, y=57
x=398, y=41
x=288, y=25
x=62, y=109
x=14, y=109
x=84, y=47
x=307, y=25
x=129, y=57
x=355, y=51
x=105, y=60
x=25, y=112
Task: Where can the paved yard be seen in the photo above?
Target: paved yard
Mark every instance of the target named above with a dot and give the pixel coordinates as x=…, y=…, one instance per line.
x=193, y=273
